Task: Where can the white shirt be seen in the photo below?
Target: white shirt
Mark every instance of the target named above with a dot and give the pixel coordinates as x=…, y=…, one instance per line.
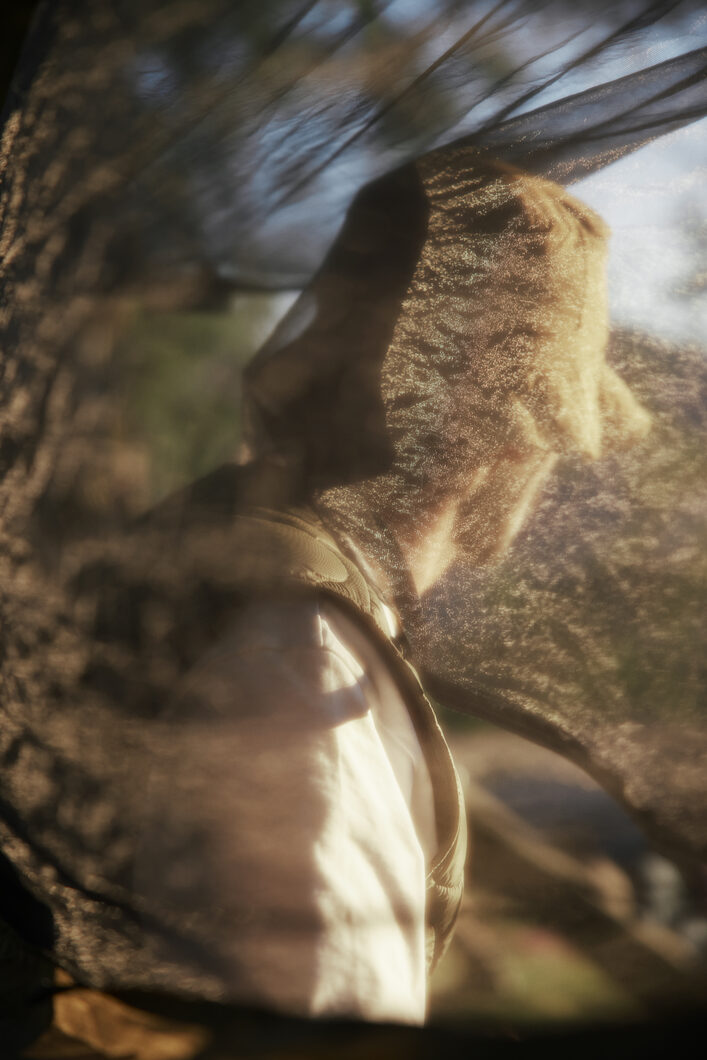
x=328, y=817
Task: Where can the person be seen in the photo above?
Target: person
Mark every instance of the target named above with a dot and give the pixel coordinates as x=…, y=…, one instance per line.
x=301, y=838
x=405, y=413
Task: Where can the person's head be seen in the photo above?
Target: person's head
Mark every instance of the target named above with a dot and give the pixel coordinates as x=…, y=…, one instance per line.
x=451, y=346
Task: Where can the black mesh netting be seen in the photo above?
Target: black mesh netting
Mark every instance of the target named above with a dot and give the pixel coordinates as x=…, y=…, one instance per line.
x=158, y=156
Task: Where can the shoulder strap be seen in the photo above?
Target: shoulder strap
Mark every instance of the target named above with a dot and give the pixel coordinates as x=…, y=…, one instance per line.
x=292, y=549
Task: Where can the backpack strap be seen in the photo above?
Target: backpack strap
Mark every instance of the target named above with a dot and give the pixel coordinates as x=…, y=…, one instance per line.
x=292, y=549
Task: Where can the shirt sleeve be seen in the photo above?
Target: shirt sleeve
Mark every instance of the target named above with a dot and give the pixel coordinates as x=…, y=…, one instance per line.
x=309, y=859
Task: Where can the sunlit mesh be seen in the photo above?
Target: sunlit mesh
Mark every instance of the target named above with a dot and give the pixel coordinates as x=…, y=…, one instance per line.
x=158, y=156
x=497, y=343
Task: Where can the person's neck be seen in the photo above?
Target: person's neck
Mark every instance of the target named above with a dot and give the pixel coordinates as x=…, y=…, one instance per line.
x=354, y=518
x=429, y=549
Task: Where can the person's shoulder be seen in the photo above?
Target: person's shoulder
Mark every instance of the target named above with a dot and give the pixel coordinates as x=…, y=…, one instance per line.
x=275, y=624
x=281, y=655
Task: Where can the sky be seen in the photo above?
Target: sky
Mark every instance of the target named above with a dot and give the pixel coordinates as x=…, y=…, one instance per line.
x=651, y=200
